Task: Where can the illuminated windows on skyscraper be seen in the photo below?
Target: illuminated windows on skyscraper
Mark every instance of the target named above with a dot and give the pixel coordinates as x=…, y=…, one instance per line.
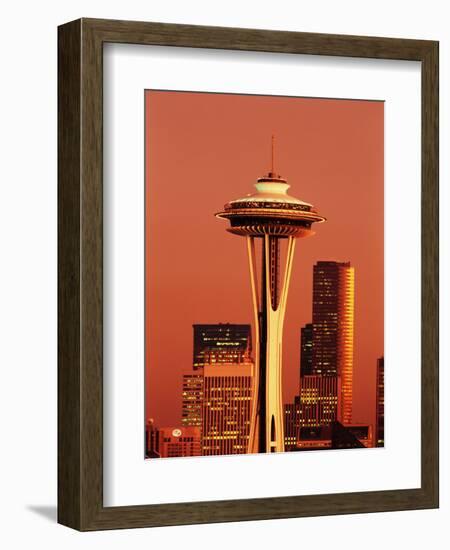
x=227, y=399
x=192, y=399
x=306, y=354
x=221, y=343
x=333, y=320
x=291, y=424
x=318, y=400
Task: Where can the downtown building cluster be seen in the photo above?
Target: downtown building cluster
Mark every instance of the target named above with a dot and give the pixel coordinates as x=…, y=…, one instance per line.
x=321, y=415
x=216, y=396
x=217, y=393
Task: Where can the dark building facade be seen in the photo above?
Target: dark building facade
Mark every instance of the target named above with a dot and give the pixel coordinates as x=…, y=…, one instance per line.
x=379, y=419
x=315, y=438
x=150, y=440
x=356, y=436
x=306, y=350
x=220, y=344
x=335, y=436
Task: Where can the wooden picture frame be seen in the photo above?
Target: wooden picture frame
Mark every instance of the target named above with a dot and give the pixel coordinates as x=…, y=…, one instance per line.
x=80, y=272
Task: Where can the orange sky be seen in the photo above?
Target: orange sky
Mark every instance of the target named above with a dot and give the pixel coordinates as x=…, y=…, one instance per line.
x=203, y=150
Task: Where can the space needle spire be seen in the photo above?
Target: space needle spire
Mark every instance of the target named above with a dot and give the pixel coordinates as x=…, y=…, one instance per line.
x=273, y=148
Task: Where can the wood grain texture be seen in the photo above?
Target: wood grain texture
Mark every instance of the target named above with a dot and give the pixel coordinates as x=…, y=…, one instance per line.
x=69, y=245
x=430, y=273
x=80, y=264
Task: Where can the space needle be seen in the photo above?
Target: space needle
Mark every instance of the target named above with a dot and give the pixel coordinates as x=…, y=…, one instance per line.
x=266, y=218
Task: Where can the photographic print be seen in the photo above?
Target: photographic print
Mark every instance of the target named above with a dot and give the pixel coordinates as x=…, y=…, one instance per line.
x=264, y=273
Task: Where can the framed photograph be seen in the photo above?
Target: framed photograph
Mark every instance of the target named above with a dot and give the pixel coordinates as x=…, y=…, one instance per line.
x=248, y=274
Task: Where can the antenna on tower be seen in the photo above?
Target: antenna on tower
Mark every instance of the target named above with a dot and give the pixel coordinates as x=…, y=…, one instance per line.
x=273, y=148
x=272, y=175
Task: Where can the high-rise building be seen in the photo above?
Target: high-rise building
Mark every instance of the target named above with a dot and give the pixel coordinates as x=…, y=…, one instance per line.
x=178, y=441
x=221, y=343
x=379, y=420
x=192, y=399
x=333, y=320
x=318, y=400
x=306, y=350
x=266, y=219
x=292, y=424
x=227, y=399
x=150, y=439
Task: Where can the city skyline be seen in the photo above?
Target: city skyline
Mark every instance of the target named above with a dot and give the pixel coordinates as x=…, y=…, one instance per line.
x=217, y=402
x=223, y=351
x=331, y=153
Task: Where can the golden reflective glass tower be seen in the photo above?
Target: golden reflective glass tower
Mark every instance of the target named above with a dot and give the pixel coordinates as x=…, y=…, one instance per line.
x=269, y=216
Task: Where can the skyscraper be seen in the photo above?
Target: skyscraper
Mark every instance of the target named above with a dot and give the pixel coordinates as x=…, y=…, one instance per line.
x=318, y=400
x=221, y=343
x=192, y=399
x=227, y=398
x=379, y=419
x=150, y=439
x=215, y=396
x=333, y=320
x=292, y=424
x=269, y=217
x=306, y=353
